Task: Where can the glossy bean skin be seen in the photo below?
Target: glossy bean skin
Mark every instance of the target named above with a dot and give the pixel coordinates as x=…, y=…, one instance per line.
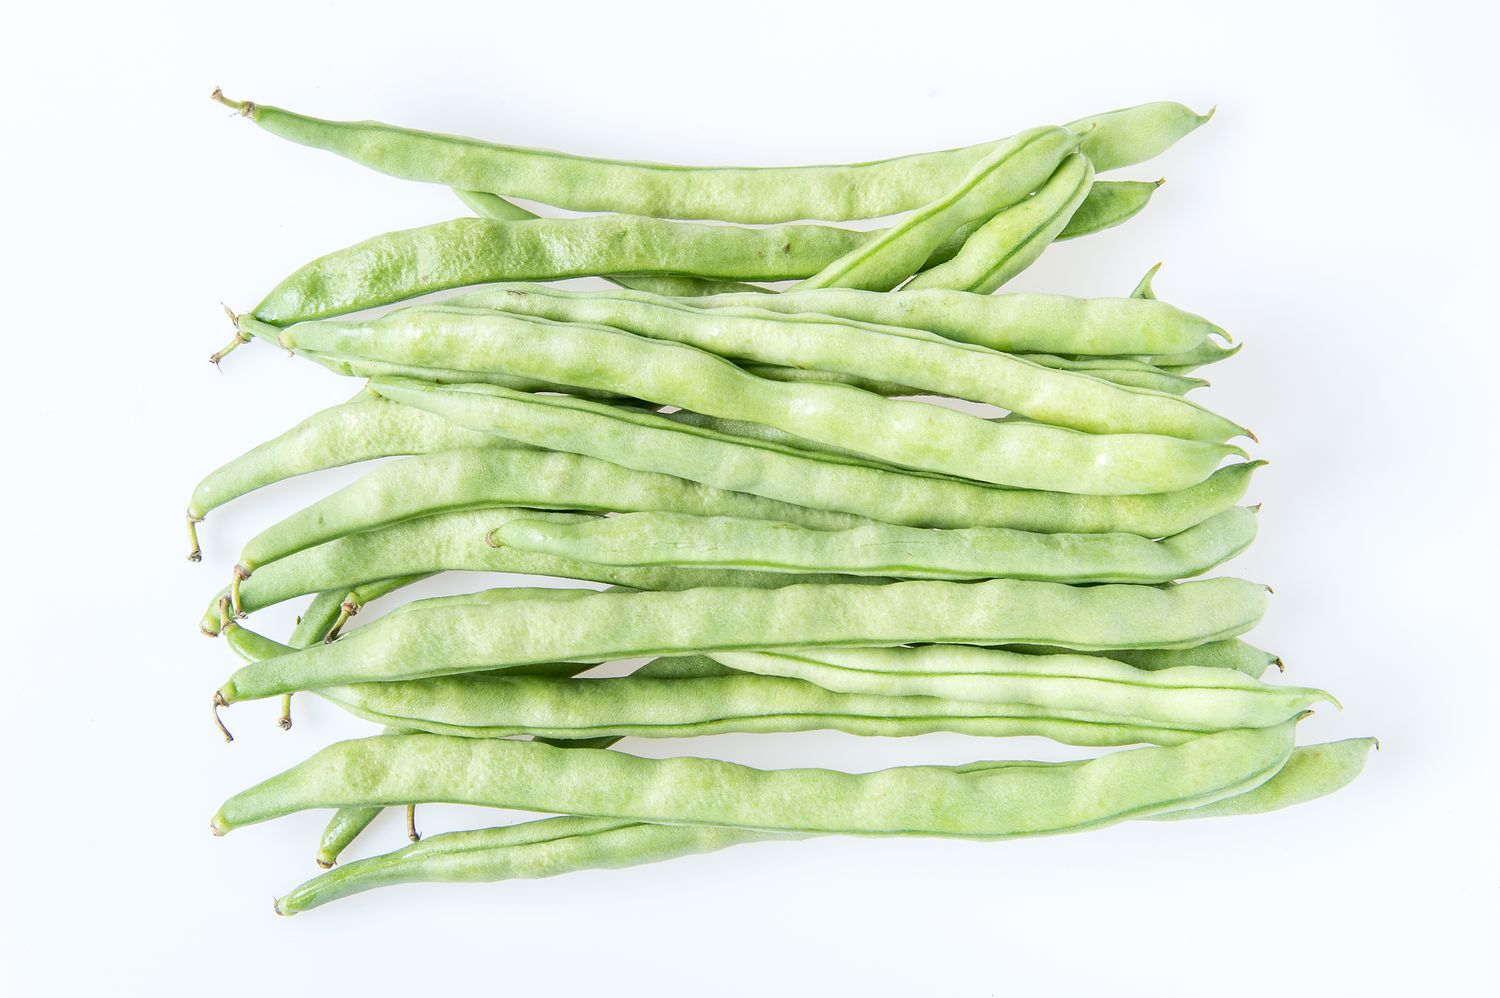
x=1229, y=654
x=365, y=428
x=1013, y=323
x=551, y=846
x=821, y=481
x=1187, y=697
x=879, y=549
x=1109, y=203
x=980, y=800
x=733, y=194
x=475, y=477
x=1005, y=176
x=404, y=264
x=909, y=433
x=454, y=541
x=447, y=636
x=891, y=354
x=1012, y=240
x=497, y=208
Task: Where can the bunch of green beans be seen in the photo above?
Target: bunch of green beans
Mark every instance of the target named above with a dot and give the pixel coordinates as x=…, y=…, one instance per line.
x=884, y=501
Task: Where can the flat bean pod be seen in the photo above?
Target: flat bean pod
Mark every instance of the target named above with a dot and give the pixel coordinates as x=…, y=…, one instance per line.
x=1109, y=203
x=447, y=636
x=1012, y=240
x=465, y=251
x=1013, y=323
x=489, y=477
x=454, y=542
x=881, y=549
x=1006, y=175
x=821, y=481
x=890, y=354
x=735, y=194
x=909, y=433
x=363, y=429
x=550, y=846
x=1189, y=697
x=980, y=800
x=1229, y=654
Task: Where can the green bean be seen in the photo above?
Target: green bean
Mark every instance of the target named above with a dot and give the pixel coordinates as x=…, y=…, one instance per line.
x=497, y=208
x=1012, y=240
x=890, y=354
x=1143, y=287
x=1231, y=654
x=411, y=262
x=980, y=800
x=1013, y=323
x=1135, y=134
x=910, y=433
x=1188, y=361
x=776, y=372
x=547, y=847
x=734, y=194
x=1311, y=772
x=454, y=542
x=1187, y=697
x=1121, y=371
x=881, y=549
x=1109, y=203
x=1006, y=175
x=444, y=637
x=359, y=430
x=822, y=481
x=489, y=477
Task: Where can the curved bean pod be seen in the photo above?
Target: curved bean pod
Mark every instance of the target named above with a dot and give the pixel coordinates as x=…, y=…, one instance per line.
x=909, y=433
x=818, y=481
x=454, y=542
x=890, y=354
x=1109, y=203
x=1121, y=371
x=1187, y=697
x=489, y=477
x=1013, y=323
x=1230, y=654
x=881, y=549
x=1012, y=240
x=734, y=194
x=359, y=430
x=550, y=846
x=404, y=264
x=444, y=637
x=980, y=800
x=1007, y=174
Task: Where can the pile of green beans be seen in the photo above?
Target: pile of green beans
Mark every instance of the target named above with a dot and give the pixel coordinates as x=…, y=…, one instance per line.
x=823, y=477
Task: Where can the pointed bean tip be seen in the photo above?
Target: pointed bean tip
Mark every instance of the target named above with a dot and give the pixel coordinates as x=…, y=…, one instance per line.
x=1204, y=119
x=1159, y=182
x=1280, y=665
x=1375, y=742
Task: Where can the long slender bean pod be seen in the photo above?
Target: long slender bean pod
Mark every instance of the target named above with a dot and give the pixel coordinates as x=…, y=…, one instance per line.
x=881, y=549
x=550, y=846
x=1190, y=697
x=1228, y=654
x=1014, y=323
x=1012, y=240
x=476, y=477
x=735, y=194
x=446, y=637
x=822, y=481
x=980, y=800
x=883, y=353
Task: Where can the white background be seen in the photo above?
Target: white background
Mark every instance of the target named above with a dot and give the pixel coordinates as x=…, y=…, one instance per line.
x=1338, y=216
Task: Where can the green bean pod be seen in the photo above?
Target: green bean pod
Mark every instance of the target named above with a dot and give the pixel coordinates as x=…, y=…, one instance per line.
x=891, y=354
x=1187, y=697
x=734, y=194
x=881, y=549
x=1012, y=240
x=981, y=800
x=1012, y=323
x=365, y=428
x=818, y=481
x=1230, y=654
x=1007, y=174
x=399, y=265
x=454, y=541
x=550, y=846
x=1109, y=203
x=488, y=477
x=439, y=637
